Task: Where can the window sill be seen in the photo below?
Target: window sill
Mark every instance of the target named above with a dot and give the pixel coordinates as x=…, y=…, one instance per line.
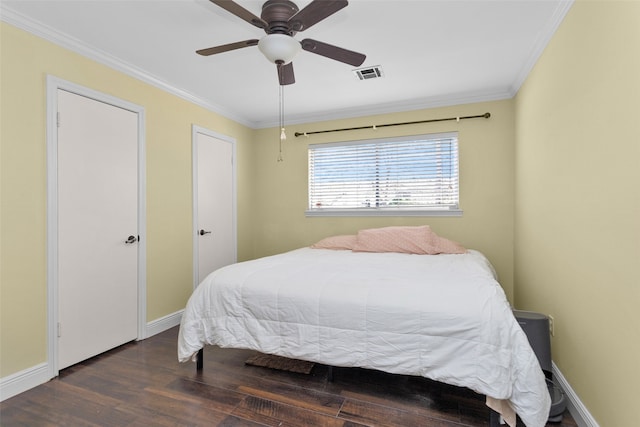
x=383, y=212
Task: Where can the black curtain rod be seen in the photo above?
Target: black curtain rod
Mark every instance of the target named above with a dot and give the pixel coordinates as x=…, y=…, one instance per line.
x=485, y=115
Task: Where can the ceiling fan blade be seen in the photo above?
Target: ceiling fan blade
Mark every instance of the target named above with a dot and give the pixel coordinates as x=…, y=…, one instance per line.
x=240, y=12
x=334, y=52
x=315, y=12
x=227, y=47
x=285, y=74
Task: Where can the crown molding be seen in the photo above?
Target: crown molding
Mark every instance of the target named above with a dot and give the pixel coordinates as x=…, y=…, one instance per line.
x=395, y=107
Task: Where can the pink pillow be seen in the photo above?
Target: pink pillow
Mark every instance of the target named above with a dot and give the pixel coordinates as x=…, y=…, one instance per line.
x=343, y=242
x=419, y=240
x=403, y=239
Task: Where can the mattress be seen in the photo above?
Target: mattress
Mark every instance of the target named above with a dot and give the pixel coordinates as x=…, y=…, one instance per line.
x=443, y=317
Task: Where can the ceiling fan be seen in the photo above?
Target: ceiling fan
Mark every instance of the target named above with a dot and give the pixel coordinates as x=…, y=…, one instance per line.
x=281, y=20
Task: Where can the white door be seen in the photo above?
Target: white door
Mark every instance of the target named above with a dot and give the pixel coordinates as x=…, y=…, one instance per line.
x=214, y=199
x=97, y=227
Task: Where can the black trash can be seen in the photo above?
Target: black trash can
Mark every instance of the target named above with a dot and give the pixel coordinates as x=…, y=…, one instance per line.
x=536, y=327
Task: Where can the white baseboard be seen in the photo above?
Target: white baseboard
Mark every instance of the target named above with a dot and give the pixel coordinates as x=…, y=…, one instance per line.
x=22, y=381
x=577, y=409
x=162, y=324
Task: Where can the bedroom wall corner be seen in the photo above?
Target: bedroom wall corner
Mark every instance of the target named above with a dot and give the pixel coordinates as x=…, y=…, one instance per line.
x=578, y=204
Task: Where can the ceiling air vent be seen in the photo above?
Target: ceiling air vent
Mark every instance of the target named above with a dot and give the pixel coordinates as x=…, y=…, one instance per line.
x=368, y=73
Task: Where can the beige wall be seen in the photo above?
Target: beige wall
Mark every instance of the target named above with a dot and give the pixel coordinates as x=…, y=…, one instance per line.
x=486, y=183
x=26, y=61
x=578, y=203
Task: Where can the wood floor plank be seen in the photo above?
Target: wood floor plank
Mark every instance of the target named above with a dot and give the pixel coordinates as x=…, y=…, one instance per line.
x=385, y=416
x=158, y=408
x=28, y=415
x=82, y=406
x=414, y=394
x=312, y=400
x=233, y=421
x=428, y=408
x=277, y=414
x=223, y=399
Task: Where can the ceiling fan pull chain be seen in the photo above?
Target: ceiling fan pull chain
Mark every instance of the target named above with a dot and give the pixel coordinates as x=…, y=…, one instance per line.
x=283, y=135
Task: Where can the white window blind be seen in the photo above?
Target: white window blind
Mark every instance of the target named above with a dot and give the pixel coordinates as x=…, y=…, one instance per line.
x=385, y=176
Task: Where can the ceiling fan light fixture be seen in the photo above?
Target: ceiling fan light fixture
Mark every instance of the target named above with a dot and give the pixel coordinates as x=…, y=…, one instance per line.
x=279, y=47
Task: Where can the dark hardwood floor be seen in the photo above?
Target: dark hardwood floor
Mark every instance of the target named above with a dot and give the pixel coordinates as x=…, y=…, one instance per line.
x=142, y=384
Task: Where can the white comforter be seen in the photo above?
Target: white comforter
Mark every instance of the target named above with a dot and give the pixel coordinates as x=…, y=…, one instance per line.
x=444, y=317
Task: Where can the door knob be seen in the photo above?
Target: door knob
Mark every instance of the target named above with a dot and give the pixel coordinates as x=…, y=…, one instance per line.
x=203, y=232
x=131, y=239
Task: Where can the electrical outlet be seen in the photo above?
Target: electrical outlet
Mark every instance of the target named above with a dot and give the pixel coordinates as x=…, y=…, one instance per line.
x=551, y=329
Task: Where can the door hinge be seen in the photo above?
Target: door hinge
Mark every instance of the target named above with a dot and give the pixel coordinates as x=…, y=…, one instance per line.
x=58, y=119
x=59, y=329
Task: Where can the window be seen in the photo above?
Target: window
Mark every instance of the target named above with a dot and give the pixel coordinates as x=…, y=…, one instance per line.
x=415, y=175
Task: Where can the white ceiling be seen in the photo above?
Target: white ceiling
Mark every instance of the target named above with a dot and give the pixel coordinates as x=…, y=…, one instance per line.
x=432, y=53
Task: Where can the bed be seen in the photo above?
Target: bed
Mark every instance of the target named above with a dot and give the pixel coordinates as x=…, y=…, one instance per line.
x=394, y=304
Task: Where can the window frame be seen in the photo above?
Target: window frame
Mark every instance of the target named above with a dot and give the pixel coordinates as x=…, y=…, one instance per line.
x=430, y=211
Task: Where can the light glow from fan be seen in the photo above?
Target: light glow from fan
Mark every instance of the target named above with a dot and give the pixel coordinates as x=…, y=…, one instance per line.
x=279, y=47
